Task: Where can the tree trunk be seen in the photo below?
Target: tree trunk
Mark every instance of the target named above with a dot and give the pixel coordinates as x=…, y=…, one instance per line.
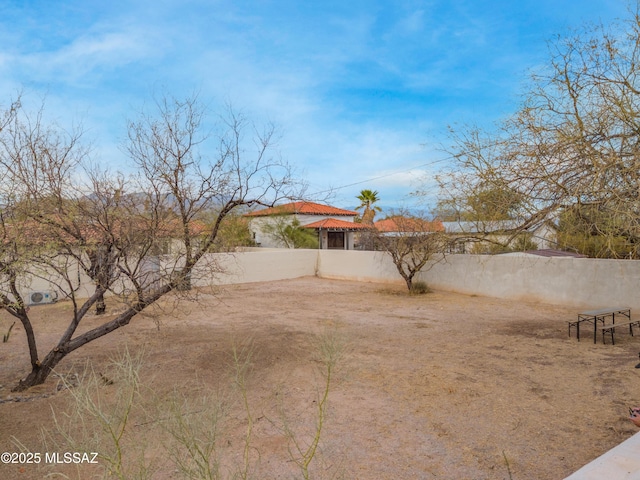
x=367, y=216
x=31, y=337
x=41, y=370
x=101, y=306
x=409, y=281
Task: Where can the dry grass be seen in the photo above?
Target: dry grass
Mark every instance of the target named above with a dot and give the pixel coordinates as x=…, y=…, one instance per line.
x=431, y=386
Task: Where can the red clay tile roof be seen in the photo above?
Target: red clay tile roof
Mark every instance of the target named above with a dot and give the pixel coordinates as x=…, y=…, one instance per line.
x=302, y=208
x=408, y=224
x=334, y=224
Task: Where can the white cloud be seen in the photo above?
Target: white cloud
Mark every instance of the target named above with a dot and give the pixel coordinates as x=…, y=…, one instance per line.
x=348, y=82
x=407, y=179
x=88, y=55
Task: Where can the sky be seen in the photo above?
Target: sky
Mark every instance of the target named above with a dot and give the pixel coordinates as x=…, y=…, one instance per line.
x=362, y=92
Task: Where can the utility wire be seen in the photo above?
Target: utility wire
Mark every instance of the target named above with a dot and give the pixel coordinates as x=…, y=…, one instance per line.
x=333, y=189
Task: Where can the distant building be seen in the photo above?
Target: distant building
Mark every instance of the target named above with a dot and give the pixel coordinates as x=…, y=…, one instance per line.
x=335, y=227
x=481, y=236
x=399, y=225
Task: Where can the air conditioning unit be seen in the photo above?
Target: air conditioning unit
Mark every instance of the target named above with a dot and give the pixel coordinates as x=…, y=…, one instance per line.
x=42, y=297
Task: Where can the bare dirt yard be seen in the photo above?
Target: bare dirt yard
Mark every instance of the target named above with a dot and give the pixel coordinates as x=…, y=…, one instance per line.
x=440, y=385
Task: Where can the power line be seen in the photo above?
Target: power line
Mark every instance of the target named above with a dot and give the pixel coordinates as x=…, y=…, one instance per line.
x=333, y=189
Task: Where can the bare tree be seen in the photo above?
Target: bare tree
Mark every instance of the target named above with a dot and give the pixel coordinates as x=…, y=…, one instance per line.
x=61, y=216
x=573, y=142
x=414, y=243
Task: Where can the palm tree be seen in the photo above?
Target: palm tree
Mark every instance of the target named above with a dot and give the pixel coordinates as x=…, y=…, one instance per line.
x=367, y=199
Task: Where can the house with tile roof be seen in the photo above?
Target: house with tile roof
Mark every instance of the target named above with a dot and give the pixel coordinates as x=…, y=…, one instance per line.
x=479, y=236
x=335, y=227
x=399, y=224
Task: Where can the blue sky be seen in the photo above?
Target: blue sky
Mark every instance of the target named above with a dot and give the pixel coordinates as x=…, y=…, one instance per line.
x=362, y=91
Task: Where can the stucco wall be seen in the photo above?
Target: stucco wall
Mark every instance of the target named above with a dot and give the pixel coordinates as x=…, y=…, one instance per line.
x=580, y=282
x=362, y=266
x=255, y=265
x=47, y=281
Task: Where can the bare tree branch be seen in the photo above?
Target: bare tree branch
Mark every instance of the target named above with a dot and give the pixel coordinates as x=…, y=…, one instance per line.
x=139, y=237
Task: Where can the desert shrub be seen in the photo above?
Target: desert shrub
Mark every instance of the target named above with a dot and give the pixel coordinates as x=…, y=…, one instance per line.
x=419, y=288
x=139, y=433
x=99, y=418
x=303, y=448
x=194, y=427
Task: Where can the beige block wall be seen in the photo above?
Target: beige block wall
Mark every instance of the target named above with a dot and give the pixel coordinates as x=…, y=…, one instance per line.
x=578, y=282
x=361, y=266
x=255, y=265
x=582, y=283
x=43, y=281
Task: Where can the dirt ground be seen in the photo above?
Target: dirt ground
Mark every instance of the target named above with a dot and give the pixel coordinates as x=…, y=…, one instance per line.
x=441, y=385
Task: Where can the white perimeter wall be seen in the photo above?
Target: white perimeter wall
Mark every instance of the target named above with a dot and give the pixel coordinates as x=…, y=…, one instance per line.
x=357, y=265
x=579, y=282
x=255, y=265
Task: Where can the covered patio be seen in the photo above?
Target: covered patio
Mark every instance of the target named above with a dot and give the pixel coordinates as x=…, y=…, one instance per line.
x=336, y=234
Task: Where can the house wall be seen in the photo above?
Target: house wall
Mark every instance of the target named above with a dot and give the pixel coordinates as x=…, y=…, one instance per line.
x=349, y=238
x=256, y=226
x=543, y=236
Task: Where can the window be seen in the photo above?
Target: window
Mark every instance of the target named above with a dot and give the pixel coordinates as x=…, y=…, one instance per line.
x=336, y=240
